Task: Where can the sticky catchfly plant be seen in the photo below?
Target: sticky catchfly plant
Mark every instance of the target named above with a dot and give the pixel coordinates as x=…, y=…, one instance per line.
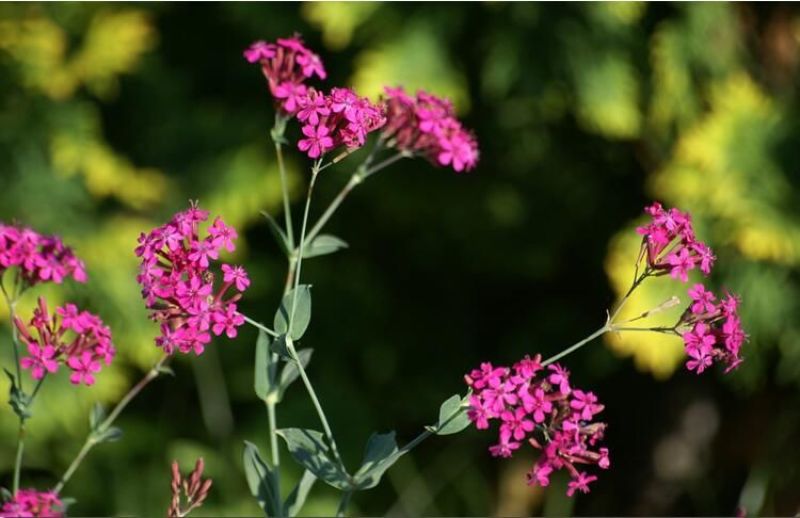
x=39, y=258
x=34, y=504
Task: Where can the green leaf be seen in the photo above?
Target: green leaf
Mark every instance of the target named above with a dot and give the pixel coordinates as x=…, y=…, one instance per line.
x=97, y=415
x=452, y=416
x=6, y=494
x=17, y=398
x=262, y=379
x=65, y=505
x=290, y=372
x=323, y=244
x=302, y=313
x=280, y=348
x=277, y=232
x=164, y=369
x=296, y=499
x=310, y=451
x=111, y=434
x=380, y=454
x=260, y=479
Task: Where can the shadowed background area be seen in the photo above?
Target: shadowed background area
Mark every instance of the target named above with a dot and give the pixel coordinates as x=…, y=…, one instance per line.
x=112, y=116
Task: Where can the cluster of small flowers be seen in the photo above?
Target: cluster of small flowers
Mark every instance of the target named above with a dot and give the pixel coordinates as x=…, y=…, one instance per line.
x=426, y=125
x=178, y=284
x=39, y=258
x=286, y=64
x=339, y=118
x=194, y=490
x=30, y=503
x=539, y=405
x=77, y=338
x=716, y=331
x=671, y=244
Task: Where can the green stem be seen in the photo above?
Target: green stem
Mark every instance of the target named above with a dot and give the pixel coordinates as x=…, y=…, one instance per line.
x=91, y=439
x=277, y=136
x=12, y=304
x=345, y=501
x=361, y=174
x=18, y=458
x=259, y=326
x=577, y=345
x=301, y=246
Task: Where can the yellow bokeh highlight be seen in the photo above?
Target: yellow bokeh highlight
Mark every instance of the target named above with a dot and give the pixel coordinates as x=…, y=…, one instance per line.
x=337, y=20
x=653, y=352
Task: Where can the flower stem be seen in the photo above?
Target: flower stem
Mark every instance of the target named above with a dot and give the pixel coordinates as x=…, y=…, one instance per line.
x=259, y=326
x=577, y=345
x=91, y=439
x=277, y=137
x=361, y=174
x=345, y=501
x=12, y=304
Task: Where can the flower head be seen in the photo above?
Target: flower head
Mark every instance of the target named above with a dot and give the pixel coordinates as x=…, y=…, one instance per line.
x=39, y=258
x=286, y=65
x=30, y=503
x=670, y=246
x=180, y=284
x=712, y=330
x=76, y=338
x=545, y=412
x=340, y=118
x=426, y=125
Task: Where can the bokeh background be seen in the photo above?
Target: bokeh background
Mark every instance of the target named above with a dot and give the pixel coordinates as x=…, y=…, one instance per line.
x=112, y=116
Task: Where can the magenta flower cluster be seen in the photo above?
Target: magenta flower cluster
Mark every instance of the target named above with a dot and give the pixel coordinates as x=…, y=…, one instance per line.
x=39, y=258
x=336, y=119
x=76, y=338
x=426, y=125
x=178, y=283
x=537, y=405
x=716, y=332
x=30, y=503
x=286, y=64
x=671, y=244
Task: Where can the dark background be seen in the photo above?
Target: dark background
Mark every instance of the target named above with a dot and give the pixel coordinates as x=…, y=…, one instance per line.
x=113, y=115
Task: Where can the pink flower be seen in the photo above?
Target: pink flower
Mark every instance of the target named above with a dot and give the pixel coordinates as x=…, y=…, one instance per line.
x=703, y=299
x=235, y=275
x=546, y=413
x=312, y=106
x=681, y=262
x=580, y=483
x=291, y=95
x=311, y=64
x=79, y=339
x=38, y=258
x=227, y=321
x=317, y=142
x=222, y=236
x=83, y=367
x=32, y=503
x=180, y=285
x=259, y=51
x=426, y=125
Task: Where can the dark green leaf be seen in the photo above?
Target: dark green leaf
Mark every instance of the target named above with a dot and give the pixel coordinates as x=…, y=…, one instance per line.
x=290, y=372
x=260, y=479
x=17, y=398
x=310, y=451
x=97, y=415
x=298, y=495
x=323, y=245
x=302, y=312
x=277, y=232
x=452, y=416
x=262, y=382
x=380, y=454
x=279, y=347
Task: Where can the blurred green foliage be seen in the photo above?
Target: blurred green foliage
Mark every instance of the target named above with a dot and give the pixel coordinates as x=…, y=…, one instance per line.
x=113, y=115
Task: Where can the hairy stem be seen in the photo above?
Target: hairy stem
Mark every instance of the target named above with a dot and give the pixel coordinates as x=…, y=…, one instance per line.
x=91, y=439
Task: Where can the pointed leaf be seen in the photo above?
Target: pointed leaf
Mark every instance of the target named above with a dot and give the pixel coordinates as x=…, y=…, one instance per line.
x=277, y=232
x=294, y=502
x=164, y=369
x=262, y=383
x=260, y=479
x=290, y=371
x=17, y=398
x=323, y=244
x=310, y=451
x=380, y=454
x=452, y=416
x=302, y=312
x=97, y=415
x=111, y=434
